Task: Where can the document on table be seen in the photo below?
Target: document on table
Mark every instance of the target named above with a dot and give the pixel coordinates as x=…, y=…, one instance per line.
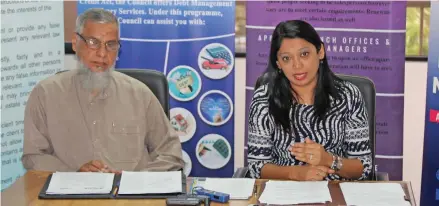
x=237, y=188
x=80, y=183
x=150, y=182
x=292, y=192
x=379, y=194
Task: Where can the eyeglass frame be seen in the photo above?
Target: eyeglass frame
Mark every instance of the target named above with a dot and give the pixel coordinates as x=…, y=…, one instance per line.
x=99, y=43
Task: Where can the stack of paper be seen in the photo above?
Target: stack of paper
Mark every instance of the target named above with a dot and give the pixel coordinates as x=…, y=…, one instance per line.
x=80, y=183
x=237, y=188
x=378, y=194
x=292, y=192
x=150, y=182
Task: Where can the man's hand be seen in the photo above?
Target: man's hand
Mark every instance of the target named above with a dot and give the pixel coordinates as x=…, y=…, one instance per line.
x=96, y=166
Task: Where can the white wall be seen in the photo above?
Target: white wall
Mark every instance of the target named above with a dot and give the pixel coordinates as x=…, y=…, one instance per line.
x=414, y=120
x=69, y=62
x=414, y=113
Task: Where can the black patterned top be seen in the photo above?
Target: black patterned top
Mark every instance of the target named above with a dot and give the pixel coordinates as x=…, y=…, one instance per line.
x=346, y=131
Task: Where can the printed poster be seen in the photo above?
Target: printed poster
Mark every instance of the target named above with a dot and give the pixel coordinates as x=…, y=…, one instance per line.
x=193, y=44
x=430, y=163
x=364, y=38
x=32, y=49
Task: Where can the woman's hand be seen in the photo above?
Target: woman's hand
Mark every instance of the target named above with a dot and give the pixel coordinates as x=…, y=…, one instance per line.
x=311, y=173
x=311, y=153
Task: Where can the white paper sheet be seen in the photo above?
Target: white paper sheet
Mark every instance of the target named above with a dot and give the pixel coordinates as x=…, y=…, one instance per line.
x=150, y=182
x=237, y=188
x=80, y=183
x=292, y=192
x=378, y=194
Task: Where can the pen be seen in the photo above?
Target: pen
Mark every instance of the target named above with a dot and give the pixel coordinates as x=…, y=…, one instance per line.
x=115, y=190
x=255, y=190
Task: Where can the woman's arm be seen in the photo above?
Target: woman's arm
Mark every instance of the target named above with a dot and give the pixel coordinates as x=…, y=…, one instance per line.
x=350, y=169
x=297, y=172
x=353, y=167
x=260, y=146
x=260, y=129
x=272, y=171
x=357, y=163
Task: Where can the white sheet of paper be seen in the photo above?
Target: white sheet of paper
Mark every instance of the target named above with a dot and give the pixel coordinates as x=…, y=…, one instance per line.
x=237, y=188
x=150, y=182
x=80, y=183
x=379, y=194
x=292, y=192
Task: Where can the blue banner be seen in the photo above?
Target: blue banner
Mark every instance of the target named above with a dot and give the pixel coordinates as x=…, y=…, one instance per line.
x=193, y=44
x=430, y=164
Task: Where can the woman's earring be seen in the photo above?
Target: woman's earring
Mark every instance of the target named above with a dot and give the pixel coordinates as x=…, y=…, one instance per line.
x=279, y=71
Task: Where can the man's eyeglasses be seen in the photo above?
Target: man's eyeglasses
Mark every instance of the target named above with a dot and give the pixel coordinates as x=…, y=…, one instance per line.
x=93, y=43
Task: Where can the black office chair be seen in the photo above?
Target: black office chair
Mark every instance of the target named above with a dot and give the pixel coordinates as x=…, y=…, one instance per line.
x=368, y=92
x=155, y=80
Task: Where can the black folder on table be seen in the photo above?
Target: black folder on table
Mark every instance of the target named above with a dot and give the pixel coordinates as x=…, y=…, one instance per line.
x=113, y=195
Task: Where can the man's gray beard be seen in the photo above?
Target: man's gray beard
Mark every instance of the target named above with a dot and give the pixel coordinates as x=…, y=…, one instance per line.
x=94, y=80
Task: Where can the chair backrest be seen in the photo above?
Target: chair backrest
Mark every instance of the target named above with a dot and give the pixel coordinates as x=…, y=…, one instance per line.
x=367, y=88
x=156, y=81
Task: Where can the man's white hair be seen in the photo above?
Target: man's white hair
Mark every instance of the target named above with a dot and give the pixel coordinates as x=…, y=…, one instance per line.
x=97, y=15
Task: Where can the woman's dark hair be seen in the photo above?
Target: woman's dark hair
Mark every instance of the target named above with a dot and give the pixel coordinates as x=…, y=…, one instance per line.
x=281, y=96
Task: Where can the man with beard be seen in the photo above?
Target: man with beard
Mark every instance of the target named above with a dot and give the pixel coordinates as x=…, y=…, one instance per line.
x=95, y=119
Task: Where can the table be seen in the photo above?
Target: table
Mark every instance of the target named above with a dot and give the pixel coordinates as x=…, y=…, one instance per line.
x=25, y=192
